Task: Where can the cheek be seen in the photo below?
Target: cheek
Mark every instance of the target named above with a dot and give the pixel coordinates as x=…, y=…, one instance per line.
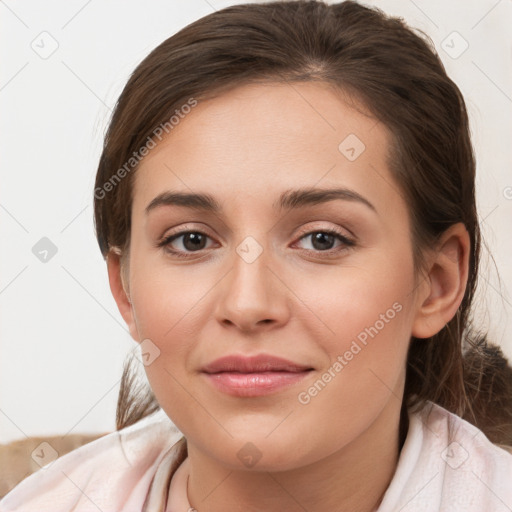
x=171, y=306
x=357, y=303
x=364, y=353
x=168, y=300
x=365, y=314
x=167, y=308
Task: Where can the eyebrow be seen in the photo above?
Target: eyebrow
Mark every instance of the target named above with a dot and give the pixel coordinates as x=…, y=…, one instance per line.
x=288, y=200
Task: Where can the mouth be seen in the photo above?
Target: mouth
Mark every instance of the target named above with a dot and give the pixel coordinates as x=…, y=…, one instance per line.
x=254, y=364
x=254, y=376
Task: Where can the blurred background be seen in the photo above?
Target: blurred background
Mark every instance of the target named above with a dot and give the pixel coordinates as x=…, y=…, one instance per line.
x=62, y=339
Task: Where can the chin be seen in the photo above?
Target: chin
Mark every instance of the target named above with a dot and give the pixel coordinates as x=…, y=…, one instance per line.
x=259, y=453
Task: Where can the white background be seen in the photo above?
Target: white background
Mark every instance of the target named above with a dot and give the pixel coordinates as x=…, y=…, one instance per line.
x=62, y=340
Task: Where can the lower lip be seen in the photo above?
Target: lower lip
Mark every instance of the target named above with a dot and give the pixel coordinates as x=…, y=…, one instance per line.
x=254, y=384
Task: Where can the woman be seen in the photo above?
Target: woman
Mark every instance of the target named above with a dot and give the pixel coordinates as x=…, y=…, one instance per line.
x=285, y=201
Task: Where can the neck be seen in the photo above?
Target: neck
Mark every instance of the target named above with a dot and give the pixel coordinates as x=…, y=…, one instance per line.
x=353, y=478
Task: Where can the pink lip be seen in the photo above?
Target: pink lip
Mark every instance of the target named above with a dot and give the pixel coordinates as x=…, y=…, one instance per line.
x=253, y=364
x=255, y=375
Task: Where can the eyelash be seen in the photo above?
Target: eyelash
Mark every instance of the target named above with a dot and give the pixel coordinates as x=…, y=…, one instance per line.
x=348, y=242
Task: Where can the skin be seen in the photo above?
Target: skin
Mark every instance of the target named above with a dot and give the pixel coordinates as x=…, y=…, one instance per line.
x=245, y=147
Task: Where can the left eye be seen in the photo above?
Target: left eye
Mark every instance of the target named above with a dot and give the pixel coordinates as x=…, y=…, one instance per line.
x=326, y=238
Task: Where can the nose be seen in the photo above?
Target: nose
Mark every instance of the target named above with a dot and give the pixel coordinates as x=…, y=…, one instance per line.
x=252, y=296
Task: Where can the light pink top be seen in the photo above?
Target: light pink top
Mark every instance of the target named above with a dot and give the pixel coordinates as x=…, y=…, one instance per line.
x=445, y=465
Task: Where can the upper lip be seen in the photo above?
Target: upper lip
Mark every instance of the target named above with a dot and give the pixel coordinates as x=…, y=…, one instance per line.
x=253, y=364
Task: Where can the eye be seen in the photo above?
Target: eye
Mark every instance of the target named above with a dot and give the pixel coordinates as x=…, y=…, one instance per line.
x=189, y=242
x=192, y=241
x=323, y=239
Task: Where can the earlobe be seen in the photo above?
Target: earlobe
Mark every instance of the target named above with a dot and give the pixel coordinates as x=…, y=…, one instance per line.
x=120, y=293
x=445, y=284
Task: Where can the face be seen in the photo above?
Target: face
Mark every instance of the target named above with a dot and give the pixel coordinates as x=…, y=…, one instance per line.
x=279, y=270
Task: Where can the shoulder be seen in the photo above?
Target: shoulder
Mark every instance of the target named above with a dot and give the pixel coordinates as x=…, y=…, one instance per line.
x=459, y=439
x=448, y=464
x=111, y=473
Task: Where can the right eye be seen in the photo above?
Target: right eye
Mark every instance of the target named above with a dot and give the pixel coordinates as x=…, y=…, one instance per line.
x=193, y=241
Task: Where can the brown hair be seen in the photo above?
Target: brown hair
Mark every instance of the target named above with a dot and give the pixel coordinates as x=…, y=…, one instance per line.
x=391, y=69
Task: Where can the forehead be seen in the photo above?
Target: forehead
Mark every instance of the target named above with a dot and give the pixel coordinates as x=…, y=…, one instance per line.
x=257, y=140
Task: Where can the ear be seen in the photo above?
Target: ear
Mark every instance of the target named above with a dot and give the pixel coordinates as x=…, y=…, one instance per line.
x=121, y=293
x=445, y=284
